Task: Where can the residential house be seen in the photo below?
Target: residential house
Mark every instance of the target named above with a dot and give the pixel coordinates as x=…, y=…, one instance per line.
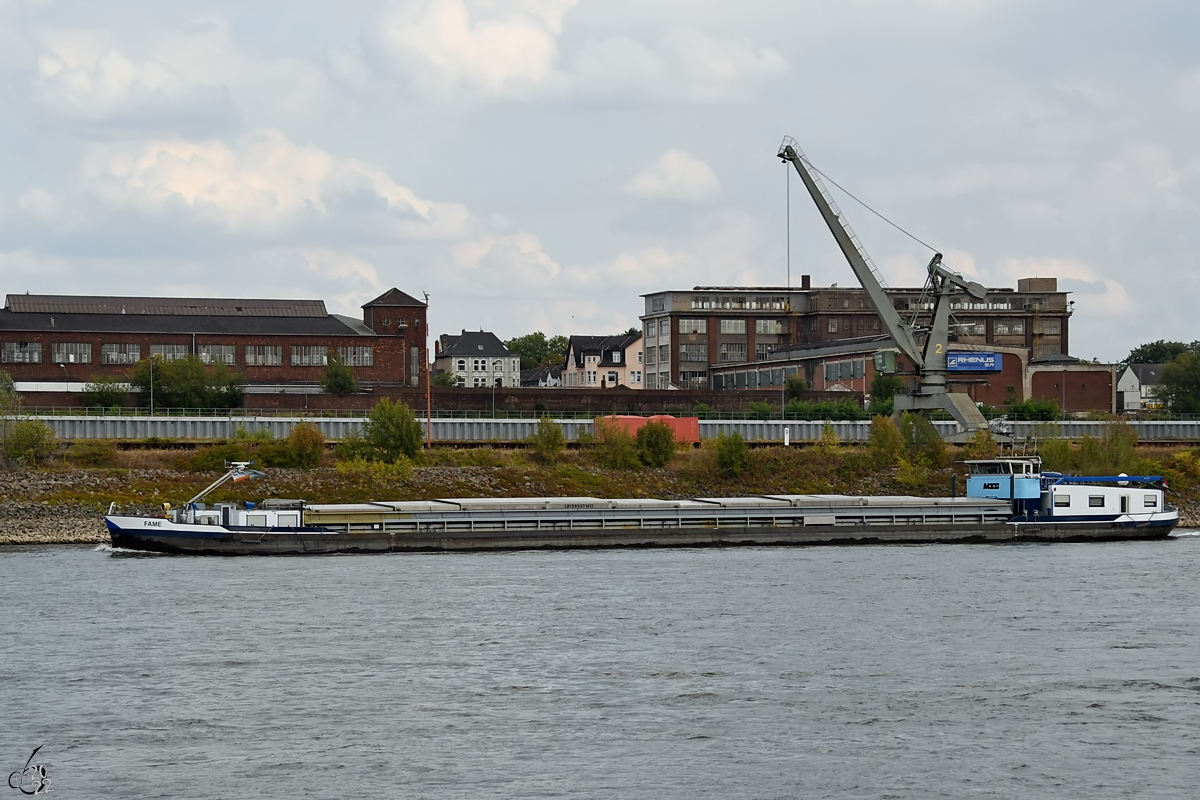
x=1135, y=387
x=603, y=362
x=477, y=358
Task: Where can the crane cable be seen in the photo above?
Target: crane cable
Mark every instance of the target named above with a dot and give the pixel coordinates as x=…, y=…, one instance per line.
x=873, y=211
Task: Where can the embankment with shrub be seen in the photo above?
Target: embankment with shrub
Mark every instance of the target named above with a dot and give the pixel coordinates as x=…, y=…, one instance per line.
x=61, y=497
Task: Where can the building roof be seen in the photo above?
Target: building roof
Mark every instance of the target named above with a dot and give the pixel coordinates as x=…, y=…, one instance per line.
x=394, y=298
x=539, y=375
x=473, y=343
x=162, y=306
x=328, y=325
x=1148, y=374
x=602, y=345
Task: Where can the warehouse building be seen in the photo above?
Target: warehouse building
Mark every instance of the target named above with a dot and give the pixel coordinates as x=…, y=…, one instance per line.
x=56, y=343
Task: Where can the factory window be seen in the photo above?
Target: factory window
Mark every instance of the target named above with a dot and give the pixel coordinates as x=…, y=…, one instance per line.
x=651, y=352
x=736, y=326
x=833, y=324
x=762, y=350
x=733, y=351
x=217, y=353
x=21, y=353
x=768, y=326
x=812, y=323
x=264, y=355
x=687, y=325
x=846, y=303
x=120, y=353
x=693, y=352
x=1010, y=327
x=1096, y=501
x=308, y=356
x=357, y=356
x=1062, y=501
x=1048, y=326
x=702, y=302
x=651, y=328
x=71, y=353
x=664, y=354
x=832, y=302
x=169, y=352
x=664, y=380
x=658, y=303
x=414, y=365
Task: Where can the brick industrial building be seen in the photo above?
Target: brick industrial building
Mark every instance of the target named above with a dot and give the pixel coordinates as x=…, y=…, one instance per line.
x=56, y=341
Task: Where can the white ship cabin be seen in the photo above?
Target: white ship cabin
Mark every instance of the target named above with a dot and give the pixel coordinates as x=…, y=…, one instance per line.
x=270, y=514
x=1085, y=498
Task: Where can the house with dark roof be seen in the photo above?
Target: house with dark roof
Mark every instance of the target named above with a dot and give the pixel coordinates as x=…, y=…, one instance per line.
x=545, y=377
x=604, y=362
x=477, y=358
x=1135, y=387
x=60, y=342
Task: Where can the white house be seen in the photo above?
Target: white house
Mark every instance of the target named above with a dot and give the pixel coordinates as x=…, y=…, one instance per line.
x=1135, y=387
x=477, y=359
x=602, y=362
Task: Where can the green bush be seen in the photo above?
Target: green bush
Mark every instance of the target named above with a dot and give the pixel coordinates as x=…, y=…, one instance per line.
x=393, y=430
x=825, y=409
x=29, y=441
x=732, y=453
x=614, y=447
x=186, y=383
x=794, y=386
x=93, y=453
x=886, y=444
x=307, y=444
x=339, y=377
x=656, y=444
x=1039, y=410
x=883, y=395
x=104, y=392
x=982, y=445
x=354, y=447
x=922, y=442
x=214, y=457
x=548, y=441
x=762, y=408
x=445, y=380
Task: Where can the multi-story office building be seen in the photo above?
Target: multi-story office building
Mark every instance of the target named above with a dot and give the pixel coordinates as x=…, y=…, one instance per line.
x=689, y=333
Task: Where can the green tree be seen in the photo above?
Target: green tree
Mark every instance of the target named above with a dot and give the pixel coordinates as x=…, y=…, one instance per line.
x=883, y=394
x=339, y=377
x=825, y=409
x=656, y=444
x=306, y=444
x=29, y=441
x=1159, y=352
x=1179, y=384
x=186, y=383
x=614, y=447
x=104, y=391
x=922, y=442
x=795, y=386
x=536, y=350
x=982, y=445
x=393, y=431
x=732, y=453
x=548, y=441
x=445, y=380
x=1040, y=410
x=886, y=444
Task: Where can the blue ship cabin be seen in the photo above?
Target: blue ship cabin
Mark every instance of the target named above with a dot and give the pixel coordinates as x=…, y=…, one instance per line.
x=1005, y=478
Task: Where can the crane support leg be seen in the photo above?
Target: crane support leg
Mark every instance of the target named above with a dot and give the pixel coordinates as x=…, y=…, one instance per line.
x=956, y=404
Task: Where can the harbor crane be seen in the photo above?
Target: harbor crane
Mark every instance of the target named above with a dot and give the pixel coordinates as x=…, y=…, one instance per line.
x=928, y=357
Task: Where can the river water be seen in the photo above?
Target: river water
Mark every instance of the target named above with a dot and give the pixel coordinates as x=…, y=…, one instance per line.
x=938, y=671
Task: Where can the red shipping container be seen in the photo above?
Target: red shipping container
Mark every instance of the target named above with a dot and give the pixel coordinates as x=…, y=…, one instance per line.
x=686, y=429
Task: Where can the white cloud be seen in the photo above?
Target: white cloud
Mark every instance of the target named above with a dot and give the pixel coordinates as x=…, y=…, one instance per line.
x=676, y=175
x=115, y=89
x=686, y=66
x=38, y=201
x=506, y=258
x=265, y=183
x=1105, y=296
x=438, y=45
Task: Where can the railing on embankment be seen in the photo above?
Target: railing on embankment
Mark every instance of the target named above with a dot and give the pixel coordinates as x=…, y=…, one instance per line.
x=516, y=430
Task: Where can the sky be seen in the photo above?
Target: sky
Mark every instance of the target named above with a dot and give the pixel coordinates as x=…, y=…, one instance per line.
x=540, y=164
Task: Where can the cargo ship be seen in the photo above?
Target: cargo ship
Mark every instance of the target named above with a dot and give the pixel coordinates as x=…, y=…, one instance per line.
x=1007, y=499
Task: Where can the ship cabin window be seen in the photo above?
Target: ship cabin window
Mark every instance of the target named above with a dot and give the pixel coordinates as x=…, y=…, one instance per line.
x=1150, y=501
x=289, y=519
x=1095, y=501
x=1062, y=500
x=256, y=520
x=991, y=468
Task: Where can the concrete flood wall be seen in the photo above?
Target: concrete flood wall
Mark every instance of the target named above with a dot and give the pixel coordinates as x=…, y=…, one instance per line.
x=515, y=430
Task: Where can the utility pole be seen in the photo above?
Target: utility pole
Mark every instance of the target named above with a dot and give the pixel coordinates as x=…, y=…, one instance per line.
x=428, y=383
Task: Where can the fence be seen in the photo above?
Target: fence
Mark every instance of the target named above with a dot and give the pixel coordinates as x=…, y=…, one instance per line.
x=515, y=430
